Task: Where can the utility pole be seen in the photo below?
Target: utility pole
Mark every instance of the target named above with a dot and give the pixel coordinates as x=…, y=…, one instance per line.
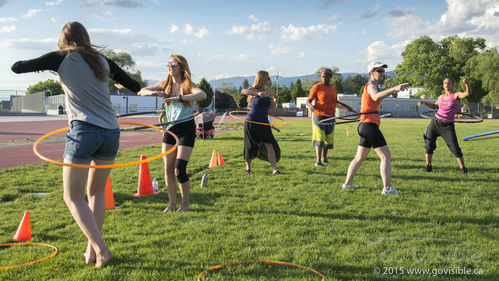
x=277, y=82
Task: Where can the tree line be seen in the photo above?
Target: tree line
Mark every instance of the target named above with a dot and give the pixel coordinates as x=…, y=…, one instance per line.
x=425, y=64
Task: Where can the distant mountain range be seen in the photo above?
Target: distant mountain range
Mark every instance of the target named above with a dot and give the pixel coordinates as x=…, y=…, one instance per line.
x=237, y=81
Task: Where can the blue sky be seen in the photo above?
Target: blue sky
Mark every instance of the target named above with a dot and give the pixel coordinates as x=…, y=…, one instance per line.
x=223, y=38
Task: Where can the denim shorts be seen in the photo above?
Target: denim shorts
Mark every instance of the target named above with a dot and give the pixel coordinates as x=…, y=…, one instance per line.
x=85, y=142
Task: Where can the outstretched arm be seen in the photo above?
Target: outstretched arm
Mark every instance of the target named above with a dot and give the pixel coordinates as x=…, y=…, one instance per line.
x=376, y=96
x=429, y=104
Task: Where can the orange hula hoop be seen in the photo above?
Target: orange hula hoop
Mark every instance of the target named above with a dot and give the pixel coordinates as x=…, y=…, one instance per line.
x=260, y=123
x=35, y=150
x=56, y=251
x=262, y=261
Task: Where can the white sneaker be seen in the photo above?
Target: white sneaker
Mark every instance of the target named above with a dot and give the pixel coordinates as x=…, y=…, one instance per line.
x=349, y=186
x=390, y=191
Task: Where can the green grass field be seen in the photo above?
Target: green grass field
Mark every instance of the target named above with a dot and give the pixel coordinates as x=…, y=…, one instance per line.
x=443, y=221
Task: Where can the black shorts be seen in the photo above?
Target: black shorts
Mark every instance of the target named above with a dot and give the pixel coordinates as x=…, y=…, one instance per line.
x=370, y=135
x=185, y=131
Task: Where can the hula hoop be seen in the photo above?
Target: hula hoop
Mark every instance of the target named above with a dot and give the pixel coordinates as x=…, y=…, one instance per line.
x=475, y=118
x=137, y=113
x=35, y=150
x=161, y=124
x=262, y=261
x=486, y=135
x=260, y=123
x=31, y=262
x=348, y=115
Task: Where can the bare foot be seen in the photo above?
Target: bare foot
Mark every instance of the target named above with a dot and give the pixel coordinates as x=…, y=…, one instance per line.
x=89, y=255
x=102, y=260
x=170, y=208
x=183, y=209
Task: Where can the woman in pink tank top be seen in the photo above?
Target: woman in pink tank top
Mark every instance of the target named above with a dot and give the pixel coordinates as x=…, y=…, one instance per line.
x=443, y=123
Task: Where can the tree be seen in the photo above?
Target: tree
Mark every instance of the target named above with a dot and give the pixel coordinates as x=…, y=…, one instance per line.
x=353, y=84
x=206, y=87
x=126, y=62
x=227, y=88
x=245, y=84
x=297, y=91
x=51, y=88
x=484, y=67
x=426, y=63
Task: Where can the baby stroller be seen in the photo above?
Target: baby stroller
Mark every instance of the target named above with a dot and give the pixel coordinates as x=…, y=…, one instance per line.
x=204, y=125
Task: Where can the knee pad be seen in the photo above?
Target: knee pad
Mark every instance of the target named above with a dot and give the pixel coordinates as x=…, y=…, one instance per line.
x=181, y=170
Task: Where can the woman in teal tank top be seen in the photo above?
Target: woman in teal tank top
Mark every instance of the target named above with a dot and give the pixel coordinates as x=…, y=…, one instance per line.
x=179, y=93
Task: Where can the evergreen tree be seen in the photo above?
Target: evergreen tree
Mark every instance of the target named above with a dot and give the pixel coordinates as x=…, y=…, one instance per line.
x=206, y=87
x=297, y=91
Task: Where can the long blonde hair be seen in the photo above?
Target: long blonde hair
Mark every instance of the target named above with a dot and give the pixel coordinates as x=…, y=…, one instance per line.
x=186, y=80
x=74, y=38
x=261, y=81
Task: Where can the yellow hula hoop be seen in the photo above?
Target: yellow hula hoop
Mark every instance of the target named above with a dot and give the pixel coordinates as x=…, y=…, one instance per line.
x=31, y=262
x=35, y=150
x=260, y=123
x=262, y=261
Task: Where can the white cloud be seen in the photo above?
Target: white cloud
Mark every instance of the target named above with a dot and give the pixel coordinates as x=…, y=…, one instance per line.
x=253, y=18
x=7, y=20
x=198, y=32
x=255, y=31
x=57, y=2
x=295, y=33
x=210, y=58
x=127, y=40
x=379, y=51
x=7, y=29
x=371, y=12
x=202, y=32
x=117, y=3
x=53, y=20
x=173, y=28
x=464, y=18
x=2, y=2
x=301, y=55
x=31, y=13
x=31, y=44
x=276, y=50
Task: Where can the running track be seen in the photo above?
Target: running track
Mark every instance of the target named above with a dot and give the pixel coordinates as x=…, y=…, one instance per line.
x=18, y=134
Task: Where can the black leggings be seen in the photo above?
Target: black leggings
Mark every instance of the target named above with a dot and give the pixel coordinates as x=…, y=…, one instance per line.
x=445, y=130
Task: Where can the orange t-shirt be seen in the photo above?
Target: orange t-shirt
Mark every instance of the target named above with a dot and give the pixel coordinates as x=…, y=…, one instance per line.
x=325, y=97
x=368, y=104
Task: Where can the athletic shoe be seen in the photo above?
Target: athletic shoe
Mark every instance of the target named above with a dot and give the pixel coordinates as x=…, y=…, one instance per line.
x=349, y=186
x=277, y=173
x=464, y=170
x=247, y=171
x=325, y=161
x=390, y=191
x=428, y=168
x=318, y=164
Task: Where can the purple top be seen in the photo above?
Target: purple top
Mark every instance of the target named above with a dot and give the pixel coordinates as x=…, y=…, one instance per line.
x=447, y=108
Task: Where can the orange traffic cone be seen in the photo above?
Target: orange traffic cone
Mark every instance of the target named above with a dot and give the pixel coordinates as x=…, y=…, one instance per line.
x=348, y=132
x=220, y=159
x=24, y=231
x=109, y=197
x=213, y=161
x=145, y=183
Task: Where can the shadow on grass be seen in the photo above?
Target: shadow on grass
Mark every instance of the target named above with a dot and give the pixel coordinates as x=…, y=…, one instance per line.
x=489, y=221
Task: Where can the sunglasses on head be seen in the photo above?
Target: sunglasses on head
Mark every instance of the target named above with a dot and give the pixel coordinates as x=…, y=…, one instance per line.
x=172, y=63
x=380, y=70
